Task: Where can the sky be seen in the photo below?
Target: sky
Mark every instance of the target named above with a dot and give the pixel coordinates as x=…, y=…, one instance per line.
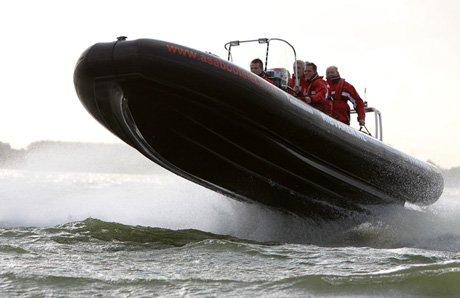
x=404, y=53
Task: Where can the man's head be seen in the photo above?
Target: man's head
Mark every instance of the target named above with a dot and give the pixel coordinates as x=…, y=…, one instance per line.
x=332, y=72
x=310, y=70
x=257, y=66
x=300, y=68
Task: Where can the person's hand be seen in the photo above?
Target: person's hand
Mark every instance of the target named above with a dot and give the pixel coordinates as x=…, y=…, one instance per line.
x=296, y=89
x=361, y=122
x=308, y=100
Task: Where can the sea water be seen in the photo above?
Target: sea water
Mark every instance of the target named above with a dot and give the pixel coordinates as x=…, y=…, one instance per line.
x=78, y=234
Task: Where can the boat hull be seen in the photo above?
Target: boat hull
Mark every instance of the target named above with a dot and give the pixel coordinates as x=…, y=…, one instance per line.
x=222, y=127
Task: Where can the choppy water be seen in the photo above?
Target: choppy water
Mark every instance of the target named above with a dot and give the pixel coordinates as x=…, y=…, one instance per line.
x=66, y=234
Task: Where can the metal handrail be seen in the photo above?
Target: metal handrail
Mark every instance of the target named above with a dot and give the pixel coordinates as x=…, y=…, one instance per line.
x=262, y=41
x=377, y=119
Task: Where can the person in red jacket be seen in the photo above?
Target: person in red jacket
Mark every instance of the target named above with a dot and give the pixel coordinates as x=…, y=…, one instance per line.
x=257, y=67
x=315, y=91
x=300, y=65
x=342, y=92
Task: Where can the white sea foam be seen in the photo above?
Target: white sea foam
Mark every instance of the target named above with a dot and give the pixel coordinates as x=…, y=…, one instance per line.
x=43, y=198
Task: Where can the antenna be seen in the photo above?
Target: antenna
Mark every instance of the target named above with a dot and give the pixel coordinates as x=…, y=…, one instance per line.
x=365, y=95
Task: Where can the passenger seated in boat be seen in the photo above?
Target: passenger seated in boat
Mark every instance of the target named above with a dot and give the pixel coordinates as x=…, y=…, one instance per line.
x=314, y=90
x=294, y=90
x=341, y=92
x=257, y=67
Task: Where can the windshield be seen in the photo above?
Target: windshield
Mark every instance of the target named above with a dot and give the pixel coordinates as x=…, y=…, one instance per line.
x=280, y=53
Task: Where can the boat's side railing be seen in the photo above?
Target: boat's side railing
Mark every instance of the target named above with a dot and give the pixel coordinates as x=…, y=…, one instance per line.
x=377, y=119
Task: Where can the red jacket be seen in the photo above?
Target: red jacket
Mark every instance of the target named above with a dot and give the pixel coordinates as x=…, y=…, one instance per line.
x=264, y=76
x=317, y=90
x=340, y=103
x=291, y=84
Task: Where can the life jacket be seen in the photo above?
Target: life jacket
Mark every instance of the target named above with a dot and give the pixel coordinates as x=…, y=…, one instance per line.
x=291, y=84
x=311, y=84
x=318, y=105
x=338, y=91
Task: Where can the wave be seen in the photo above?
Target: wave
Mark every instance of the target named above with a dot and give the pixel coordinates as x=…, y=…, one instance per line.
x=413, y=283
x=111, y=256
x=94, y=229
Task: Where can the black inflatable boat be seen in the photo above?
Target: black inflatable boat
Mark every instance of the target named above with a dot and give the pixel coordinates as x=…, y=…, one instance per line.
x=218, y=125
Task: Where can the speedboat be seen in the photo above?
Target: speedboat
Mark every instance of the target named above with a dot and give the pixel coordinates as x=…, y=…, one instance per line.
x=217, y=124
